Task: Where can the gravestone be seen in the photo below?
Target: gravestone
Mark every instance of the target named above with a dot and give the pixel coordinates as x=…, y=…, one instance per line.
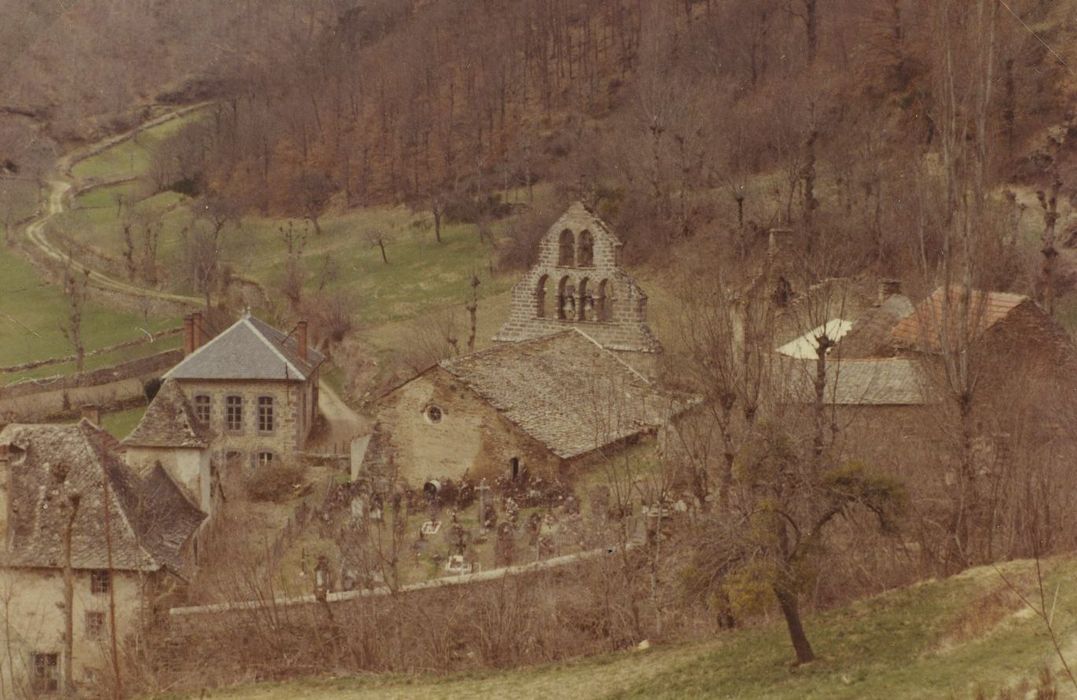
x=505, y=547
x=457, y=565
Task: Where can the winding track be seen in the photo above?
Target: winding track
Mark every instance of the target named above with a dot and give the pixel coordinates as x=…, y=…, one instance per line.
x=344, y=423
x=59, y=187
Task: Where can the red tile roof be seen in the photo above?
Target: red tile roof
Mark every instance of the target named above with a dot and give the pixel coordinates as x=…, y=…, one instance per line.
x=922, y=328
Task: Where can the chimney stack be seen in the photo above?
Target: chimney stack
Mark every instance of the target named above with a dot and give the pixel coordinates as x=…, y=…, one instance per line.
x=888, y=288
x=188, y=334
x=91, y=413
x=301, y=339
x=197, y=331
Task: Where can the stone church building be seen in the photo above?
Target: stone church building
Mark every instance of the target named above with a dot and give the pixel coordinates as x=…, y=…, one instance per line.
x=578, y=282
x=564, y=384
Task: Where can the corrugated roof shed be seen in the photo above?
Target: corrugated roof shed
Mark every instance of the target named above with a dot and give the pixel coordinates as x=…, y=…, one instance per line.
x=149, y=521
x=248, y=349
x=566, y=391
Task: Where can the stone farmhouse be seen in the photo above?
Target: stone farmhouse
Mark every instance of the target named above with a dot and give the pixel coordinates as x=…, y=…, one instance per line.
x=545, y=405
x=889, y=395
x=132, y=540
x=253, y=387
x=578, y=282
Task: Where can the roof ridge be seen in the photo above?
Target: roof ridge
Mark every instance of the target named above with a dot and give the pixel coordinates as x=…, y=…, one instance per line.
x=108, y=475
x=272, y=346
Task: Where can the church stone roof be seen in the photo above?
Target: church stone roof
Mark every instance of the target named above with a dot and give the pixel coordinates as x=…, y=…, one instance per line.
x=169, y=421
x=149, y=520
x=566, y=391
x=248, y=349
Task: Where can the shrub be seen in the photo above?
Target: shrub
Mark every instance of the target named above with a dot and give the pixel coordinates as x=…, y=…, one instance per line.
x=274, y=482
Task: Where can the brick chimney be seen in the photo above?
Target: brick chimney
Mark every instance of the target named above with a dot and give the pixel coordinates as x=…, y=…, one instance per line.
x=91, y=413
x=888, y=288
x=188, y=334
x=198, y=334
x=301, y=339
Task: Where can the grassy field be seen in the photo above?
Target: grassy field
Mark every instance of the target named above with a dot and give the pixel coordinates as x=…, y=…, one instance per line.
x=421, y=274
x=31, y=312
x=939, y=639
x=131, y=157
x=120, y=423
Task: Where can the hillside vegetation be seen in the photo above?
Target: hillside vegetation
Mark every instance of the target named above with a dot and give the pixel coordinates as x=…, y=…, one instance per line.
x=963, y=637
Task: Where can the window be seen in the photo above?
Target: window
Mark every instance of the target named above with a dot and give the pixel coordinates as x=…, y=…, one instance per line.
x=201, y=408
x=566, y=252
x=265, y=459
x=95, y=625
x=434, y=414
x=585, y=257
x=100, y=581
x=46, y=670
x=265, y=414
x=233, y=412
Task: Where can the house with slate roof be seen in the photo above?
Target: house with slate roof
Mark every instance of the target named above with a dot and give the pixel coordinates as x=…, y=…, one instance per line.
x=133, y=538
x=253, y=389
x=546, y=405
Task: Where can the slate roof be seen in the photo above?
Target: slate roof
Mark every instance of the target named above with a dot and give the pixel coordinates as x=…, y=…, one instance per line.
x=870, y=334
x=169, y=421
x=149, y=520
x=887, y=381
x=248, y=349
x=921, y=329
x=566, y=391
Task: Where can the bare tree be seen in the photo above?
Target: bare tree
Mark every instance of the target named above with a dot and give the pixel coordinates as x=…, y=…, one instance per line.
x=76, y=283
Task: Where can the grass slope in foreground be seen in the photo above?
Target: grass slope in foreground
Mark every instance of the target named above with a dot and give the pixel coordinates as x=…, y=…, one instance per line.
x=938, y=639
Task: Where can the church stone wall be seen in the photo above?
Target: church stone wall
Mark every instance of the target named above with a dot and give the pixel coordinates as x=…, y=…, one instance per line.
x=578, y=281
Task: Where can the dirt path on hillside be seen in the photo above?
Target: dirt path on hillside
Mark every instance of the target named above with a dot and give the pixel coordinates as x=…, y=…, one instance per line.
x=59, y=189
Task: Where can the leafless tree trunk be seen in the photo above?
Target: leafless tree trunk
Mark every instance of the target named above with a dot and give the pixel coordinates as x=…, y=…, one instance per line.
x=69, y=598
x=75, y=283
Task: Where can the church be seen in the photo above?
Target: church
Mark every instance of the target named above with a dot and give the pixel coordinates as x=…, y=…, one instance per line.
x=560, y=388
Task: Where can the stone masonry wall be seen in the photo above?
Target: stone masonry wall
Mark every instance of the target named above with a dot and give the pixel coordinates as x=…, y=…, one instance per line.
x=470, y=438
x=614, y=308
x=292, y=402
